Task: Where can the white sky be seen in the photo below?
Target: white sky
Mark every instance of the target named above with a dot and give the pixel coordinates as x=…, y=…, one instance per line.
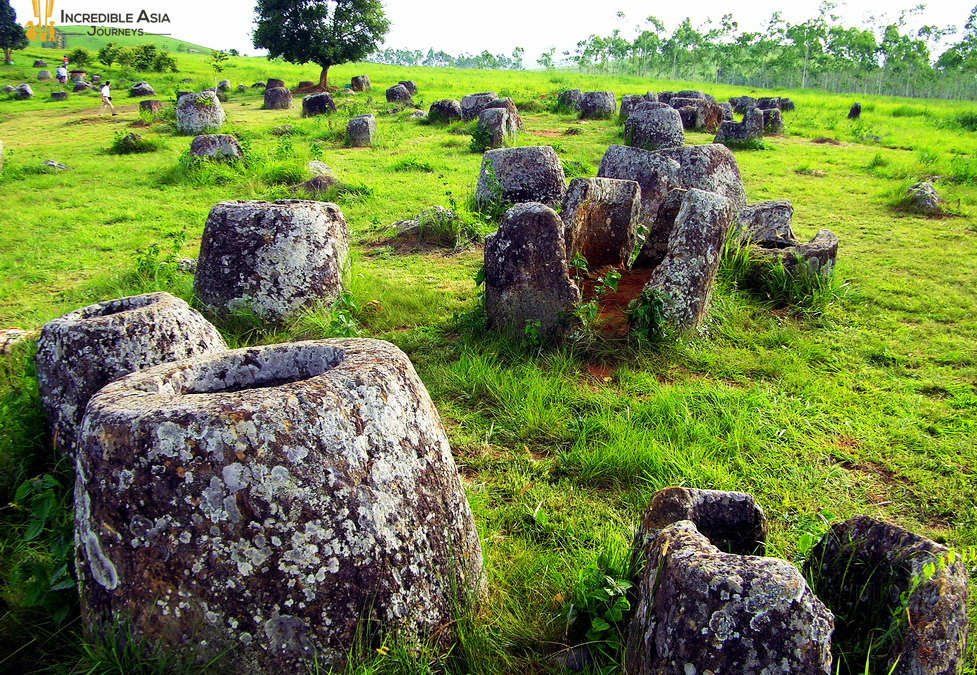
x=497, y=25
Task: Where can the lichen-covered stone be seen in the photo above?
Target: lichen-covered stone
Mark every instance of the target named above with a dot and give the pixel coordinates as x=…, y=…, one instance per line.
x=10, y=338
x=360, y=131
x=151, y=106
x=569, y=99
x=273, y=83
x=81, y=85
x=59, y=96
x=199, y=113
x=40, y=63
x=924, y=198
x=472, y=105
x=399, y=94
x=410, y=86
x=693, y=118
x=712, y=168
x=684, y=279
x=266, y=503
x=732, y=521
x=861, y=569
x=766, y=224
x=57, y=166
x=141, y=89
x=700, y=610
x=499, y=125
x=23, y=92
x=652, y=171
x=224, y=85
x=786, y=105
x=241, y=88
x=654, y=126
x=277, y=98
x=318, y=168
x=598, y=105
x=817, y=255
x=743, y=103
x=526, y=274
x=510, y=106
x=43, y=75
x=258, y=85
x=768, y=103
x=691, y=93
x=727, y=112
x=82, y=351
x=773, y=121
x=516, y=175
x=445, y=110
x=628, y=102
x=855, y=112
x=271, y=258
x=735, y=134
x=600, y=216
x=8, y=89
x=360, y=83
x=665, y=97
x=317, y=104
x=678, y=102
x=216, y=146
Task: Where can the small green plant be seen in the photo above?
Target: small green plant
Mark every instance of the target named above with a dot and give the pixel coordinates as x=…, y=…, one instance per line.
x=531, y=333
x=647, y=317
x=492, y=209
x=481, y=139
x=151, y=264
x=587, y=311
x=598, y=605
x=342, y=322
x=130, y=144
x=578, y=266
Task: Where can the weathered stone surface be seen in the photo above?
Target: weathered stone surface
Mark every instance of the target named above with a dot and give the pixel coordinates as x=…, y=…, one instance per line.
x=472, y=105
x=57, y=166
x=360, y=131
x=141, y=89
x=685, y=277
x=786, y=105
x=654, y=128
x=768, y=103
x=59, y=95
x=316, y=186
x=818, y=255
x=509, y=105
x=277, y=98
x=82, y=351
x=656, y=174
x=8, y=89
x=306, y=84
x=271, y=258
x=529, y=174
x=445, y=110
x=711, y=168
x=727, y=112
x=569, y=99
x=923, y=197
x=700, y=610
x=693, y=117
x=410, y=85
x=691, y=93
x=216, y=146
x=241, y=88
x=712, y=114
x=224, y=85
x=767, y=224
x=40, y=63
x=131, y=142
x=181, y=94
x=266, y=503
x=317, y=104
x=665, y=97
x=258, y=85
x=773, y=122
x=732, y=521
x=273, y=83
x=598, y=105
x=199, y=113
x=317, y=168
x=600, y=216
x=360, y=83
x=526, y=274
x=23, y=92
x=628, y=102
x=10, y=338
x=861, y=568
x=151, y=106
x=659, y=230
x=499, y=125
x=743, y=103
x=399, y=94
x=43, y=75
x=855, y=112
x=678, y=102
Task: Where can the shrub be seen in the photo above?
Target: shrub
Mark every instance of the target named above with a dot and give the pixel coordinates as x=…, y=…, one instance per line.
x=130, y=144
x=481, y=139
x=79, y=57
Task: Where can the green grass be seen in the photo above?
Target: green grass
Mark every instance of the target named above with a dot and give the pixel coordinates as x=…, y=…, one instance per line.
x=866, y=406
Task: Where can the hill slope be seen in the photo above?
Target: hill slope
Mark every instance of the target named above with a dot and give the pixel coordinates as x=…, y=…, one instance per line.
x=78, y=36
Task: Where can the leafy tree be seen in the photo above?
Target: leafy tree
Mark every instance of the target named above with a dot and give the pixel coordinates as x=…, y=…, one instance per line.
x=217, y=60
x=79, y=57
x=108, y=54
x=546, y=58
x=12, y=34
x=233, y=52
x=325, y=32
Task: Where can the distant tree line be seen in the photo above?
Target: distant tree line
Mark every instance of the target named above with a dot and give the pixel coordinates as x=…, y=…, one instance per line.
x=440, y=59
x=883, y=57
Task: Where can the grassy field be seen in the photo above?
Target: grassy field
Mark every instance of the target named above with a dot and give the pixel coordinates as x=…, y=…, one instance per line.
x=867, y=407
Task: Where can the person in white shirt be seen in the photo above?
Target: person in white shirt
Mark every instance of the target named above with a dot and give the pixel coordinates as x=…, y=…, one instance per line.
x=62, y=74
x=106, y=99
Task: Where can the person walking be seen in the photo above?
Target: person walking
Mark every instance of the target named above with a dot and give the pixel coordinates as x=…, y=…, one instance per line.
x=62, y=74
x=106, y=100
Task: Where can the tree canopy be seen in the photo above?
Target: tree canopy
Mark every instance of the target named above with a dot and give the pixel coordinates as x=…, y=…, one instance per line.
x=12, y=34
x=324, y=32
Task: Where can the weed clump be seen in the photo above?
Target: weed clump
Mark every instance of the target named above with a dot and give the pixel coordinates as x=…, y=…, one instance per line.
x=130, y=144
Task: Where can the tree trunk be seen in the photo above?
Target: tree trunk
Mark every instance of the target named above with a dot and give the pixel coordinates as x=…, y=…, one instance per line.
x=324, y=77
x=6, y=55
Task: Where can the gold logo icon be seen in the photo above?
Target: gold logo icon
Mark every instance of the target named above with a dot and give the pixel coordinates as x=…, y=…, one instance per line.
x=43, y=30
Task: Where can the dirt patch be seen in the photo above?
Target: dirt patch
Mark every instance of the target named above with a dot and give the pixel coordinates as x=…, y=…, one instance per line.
x=611, y=318
x=867, y=467
x=547, y=132
x=825, y=140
